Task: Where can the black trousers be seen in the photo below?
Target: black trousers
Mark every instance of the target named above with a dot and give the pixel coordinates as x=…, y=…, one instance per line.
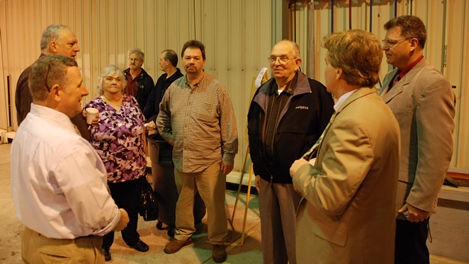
x=127, y=196
x=411, y=242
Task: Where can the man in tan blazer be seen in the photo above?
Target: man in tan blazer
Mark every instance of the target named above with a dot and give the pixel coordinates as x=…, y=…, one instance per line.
x=347, y=214
x=423, y=103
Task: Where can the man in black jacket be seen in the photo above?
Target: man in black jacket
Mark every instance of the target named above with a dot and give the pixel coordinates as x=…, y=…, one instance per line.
x=287, y=115
x=139, y=83
x=168, y=63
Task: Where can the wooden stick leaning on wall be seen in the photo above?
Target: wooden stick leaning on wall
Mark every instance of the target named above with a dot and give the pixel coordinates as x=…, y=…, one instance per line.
x=256, y=83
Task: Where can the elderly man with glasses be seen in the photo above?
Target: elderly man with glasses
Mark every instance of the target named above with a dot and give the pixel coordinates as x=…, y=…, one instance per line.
x=423, y=103
x=287, y=115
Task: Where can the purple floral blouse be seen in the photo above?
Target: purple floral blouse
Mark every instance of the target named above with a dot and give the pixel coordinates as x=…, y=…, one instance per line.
x=118, y=139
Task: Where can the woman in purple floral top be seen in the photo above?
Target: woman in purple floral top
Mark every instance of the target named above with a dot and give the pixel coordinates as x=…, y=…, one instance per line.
x=119, y=139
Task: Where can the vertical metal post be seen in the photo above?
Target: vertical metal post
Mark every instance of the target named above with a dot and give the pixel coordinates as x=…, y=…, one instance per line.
x=443, y=38
x=9, y=126
x=332, y=16
x=311, y=40
x=371, y=15
x=350, y=14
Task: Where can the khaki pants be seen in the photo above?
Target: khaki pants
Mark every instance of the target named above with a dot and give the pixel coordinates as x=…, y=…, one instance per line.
x=38, y=249
x=211, y=185
x=277, y=204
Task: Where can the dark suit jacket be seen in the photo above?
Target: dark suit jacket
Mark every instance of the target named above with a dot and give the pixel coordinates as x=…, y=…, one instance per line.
x=23, y=97
x=23, y=100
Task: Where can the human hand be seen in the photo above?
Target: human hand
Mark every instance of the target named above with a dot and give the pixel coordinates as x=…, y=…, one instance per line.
x=123, y=221
x=150, y=126
x=227, y=167
x=257, y=183
x=296, y=165
x=413, y=214
x=95, y=120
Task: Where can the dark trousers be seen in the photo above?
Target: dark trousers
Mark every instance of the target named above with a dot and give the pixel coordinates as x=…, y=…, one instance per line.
x=411, y=242
x=127, y=196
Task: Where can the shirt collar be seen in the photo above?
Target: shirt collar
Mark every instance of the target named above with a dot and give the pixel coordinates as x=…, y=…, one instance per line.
x=409, y=67
x=342, y=99
x=55, y=116
x=197, y=84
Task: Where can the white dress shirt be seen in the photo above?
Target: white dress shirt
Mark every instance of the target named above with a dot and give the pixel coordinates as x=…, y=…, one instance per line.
x=58, y=182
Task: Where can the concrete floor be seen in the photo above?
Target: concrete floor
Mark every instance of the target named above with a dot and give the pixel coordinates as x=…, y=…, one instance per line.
x=198, y=252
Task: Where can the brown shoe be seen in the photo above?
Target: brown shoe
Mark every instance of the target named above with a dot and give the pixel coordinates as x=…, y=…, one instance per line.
x=219, y=253
x=175, y=245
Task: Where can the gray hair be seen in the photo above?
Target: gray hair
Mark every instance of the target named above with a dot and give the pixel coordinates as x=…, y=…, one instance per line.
x=46, y=72
x=109, y=70
x=294, y=46
x=137, y=51
x=51, y=33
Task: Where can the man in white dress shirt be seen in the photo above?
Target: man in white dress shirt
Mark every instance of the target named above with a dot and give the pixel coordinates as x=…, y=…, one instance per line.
x=58, y=182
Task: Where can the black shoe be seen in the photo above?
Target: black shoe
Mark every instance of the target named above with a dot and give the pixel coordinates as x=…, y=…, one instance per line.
x=171, y=231
x=141, y=246
x=107, y=255
x=219, y=253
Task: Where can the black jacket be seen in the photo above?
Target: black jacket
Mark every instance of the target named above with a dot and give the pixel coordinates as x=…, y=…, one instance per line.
x=145, y=86
x=300, y=124
x=152, y=108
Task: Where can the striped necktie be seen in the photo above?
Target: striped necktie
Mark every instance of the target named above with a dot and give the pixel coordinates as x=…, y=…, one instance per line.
x=312, y=151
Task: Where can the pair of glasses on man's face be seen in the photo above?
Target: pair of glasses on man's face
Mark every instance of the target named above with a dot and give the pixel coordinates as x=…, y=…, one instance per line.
x=281, y=59
x=393, y=42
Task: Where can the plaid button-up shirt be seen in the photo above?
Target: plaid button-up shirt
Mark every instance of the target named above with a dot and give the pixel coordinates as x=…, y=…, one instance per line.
x=201, y=123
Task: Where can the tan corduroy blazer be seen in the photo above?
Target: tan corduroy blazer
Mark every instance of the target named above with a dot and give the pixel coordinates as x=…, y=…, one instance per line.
x=348, y=214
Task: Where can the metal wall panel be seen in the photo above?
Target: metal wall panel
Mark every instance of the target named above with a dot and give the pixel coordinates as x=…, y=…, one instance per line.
x=446, y=49
x=237, y=39
x=456, y=69
x=236, y=33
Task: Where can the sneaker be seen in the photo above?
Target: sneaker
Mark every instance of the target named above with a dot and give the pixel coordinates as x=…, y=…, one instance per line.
x=219, y=253
x=175, y=245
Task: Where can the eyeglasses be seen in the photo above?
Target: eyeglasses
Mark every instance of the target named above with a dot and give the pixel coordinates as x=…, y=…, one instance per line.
x=281, y=59
x=391, y=42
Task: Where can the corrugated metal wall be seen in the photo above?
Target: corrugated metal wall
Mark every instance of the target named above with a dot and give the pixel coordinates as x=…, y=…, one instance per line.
x=238, y=35
x=446, y=49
